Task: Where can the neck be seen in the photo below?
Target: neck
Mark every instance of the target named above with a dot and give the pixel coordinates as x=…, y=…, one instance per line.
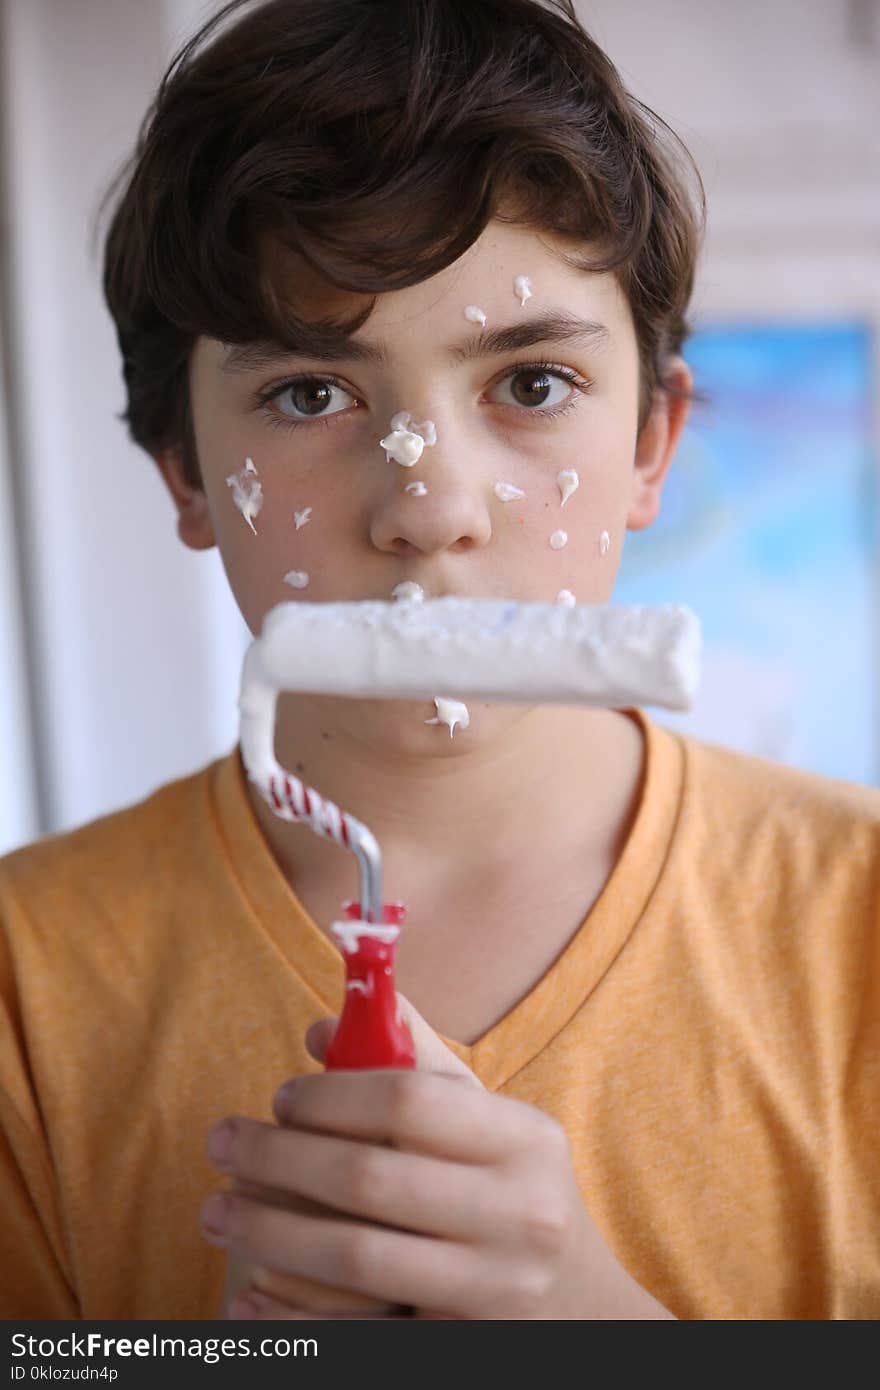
x=541, y=786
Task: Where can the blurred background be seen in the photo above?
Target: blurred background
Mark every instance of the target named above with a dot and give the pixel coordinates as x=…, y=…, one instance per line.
x=120, y=650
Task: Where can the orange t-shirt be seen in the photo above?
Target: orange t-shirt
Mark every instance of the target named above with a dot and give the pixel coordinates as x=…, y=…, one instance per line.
x=709, y=1039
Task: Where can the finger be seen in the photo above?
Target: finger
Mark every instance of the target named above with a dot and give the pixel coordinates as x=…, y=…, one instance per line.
x=389, y=1265
x=432, y=1054
x=298, y=1292
x=423, y=1112
x=255, y=1306
x=293, y=1289
x=319, y=1037
x=416, y=1193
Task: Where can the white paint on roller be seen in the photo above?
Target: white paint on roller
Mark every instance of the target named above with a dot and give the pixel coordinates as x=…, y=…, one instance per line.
x=474, y=314
x=506, y=492
x=247, y=492
x=416, y=489
x=607, y=656
x=566, y=598
x=558, y=540
x=297, y=579
x=450, y=712
x=480, y=649
x=522, y=288
x=604, y=543
x=568, y=482
x=302, y=518
x=408, y=591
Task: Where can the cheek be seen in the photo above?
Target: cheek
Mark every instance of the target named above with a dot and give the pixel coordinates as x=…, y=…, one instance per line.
x=580, y=488
x=573, y=544
x=279, y=527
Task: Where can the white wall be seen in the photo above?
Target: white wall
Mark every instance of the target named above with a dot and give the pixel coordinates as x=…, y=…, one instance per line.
x=136, y=639
x=19, y=818
x=780, y=105
x=137, y=643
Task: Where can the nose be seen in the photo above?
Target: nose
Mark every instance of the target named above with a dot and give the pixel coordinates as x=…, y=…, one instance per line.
x=453, y=515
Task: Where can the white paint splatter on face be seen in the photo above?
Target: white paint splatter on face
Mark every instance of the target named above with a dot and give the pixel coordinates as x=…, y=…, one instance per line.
x=407, y=441
x=404, y=447
x=522, y=288
x=302, y=518
x=247, y=492
x=566, y=599
x=604, y=543
x=568, y=483
x=416, y=489
x=506, y=492
x=450, y=712
x=297, y=579
x=408, y=591
x=403, y=420
x=474, y=314
x=558, y=540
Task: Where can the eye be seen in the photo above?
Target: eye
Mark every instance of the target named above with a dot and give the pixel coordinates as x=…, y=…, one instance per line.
x=534, y=387
x=310, y=396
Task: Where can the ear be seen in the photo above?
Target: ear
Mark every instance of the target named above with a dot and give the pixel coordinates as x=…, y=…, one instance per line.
x=194, y=525
x=657, y=443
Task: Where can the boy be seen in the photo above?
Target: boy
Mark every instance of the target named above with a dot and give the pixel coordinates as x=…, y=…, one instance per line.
x=641, y=972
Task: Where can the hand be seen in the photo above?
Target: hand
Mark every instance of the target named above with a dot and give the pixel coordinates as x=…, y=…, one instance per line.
x=291, y=1291
x=443, y=1196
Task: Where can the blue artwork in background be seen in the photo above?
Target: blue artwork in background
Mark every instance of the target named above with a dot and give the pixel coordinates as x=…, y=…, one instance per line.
x=769, y=530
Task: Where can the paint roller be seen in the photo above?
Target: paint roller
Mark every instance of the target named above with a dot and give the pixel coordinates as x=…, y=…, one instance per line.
x=610, y=656
x=487, y=649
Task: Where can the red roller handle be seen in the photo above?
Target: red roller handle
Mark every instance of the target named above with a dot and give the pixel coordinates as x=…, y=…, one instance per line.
x=370, y=1032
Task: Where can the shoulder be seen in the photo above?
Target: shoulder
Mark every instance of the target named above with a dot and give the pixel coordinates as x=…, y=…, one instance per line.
x=124, y=853
x=740, y=791
x=786, y=862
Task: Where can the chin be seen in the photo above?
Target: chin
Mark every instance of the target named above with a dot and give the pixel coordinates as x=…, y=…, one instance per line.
x=400, y=727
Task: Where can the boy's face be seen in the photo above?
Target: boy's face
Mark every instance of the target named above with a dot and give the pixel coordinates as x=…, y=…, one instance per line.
x=560, y=393
x=512, y=415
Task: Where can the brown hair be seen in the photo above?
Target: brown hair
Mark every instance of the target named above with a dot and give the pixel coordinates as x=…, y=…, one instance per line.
x=376, y=138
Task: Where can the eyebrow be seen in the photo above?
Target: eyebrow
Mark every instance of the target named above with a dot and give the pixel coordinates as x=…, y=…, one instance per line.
x=550, y=326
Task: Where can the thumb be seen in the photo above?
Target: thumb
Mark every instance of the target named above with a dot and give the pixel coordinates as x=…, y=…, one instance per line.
x=432, y=1054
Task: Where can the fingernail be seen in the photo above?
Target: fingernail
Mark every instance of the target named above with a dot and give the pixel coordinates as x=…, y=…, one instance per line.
x=283, y=1100
x=215, y=1213
x=220, y=1142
